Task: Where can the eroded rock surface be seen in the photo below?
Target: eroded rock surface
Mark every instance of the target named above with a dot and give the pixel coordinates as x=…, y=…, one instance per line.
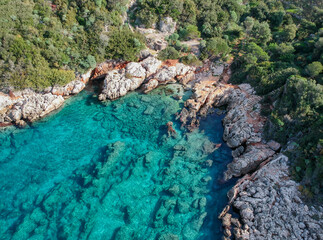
x=168, y=25
x=243, y=123
x=148, y=73
x=271, y=206
x=27, y=106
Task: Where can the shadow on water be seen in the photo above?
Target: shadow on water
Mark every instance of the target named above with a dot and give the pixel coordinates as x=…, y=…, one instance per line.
x=213, y=129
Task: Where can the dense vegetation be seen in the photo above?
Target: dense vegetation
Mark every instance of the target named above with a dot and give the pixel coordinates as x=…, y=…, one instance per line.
x=283, y=61
x=42, y=43
x=277, y=48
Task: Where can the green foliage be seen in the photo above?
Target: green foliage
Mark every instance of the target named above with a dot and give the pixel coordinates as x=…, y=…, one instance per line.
x=290, y=32
x=258, y=52
x=191, y=59
x=168, y=53
x=271, y=58
x=38, y=41
x=282, y=52
x=189, y=32
x=261, y=32
x=314, y=69
x=276, y=18
x=216, y=47
x=124, y=44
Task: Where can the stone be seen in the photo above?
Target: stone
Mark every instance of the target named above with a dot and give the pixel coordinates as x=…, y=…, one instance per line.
x=174, y=190
x=149, y=110
x=145, y=53
x=168, y=236
x=226, y=220
x=160, y=45
x=202, y=203
x=217, y=69
x=275, y=146
x=135, y=70
x=237, y=152
x=253, y=156
x=151, y=65
x=183, y=207
x=167, y=25
x=118, y=83
x=166, y=75
x=269, y=204
x=150, y=85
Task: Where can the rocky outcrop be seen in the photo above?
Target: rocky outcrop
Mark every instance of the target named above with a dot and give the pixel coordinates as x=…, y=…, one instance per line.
x=271, y=206
x=148, y=73
x=28, y=106
x=118, y=83
x=101, y=70
x=243, y=123
x=167, y=25
x=150, y=85
x=151, y=65
x=71, y=88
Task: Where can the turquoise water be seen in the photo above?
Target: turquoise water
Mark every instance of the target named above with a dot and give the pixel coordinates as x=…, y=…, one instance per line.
x=110, y=171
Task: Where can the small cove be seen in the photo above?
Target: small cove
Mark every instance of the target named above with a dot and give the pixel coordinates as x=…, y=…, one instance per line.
x=110, y=171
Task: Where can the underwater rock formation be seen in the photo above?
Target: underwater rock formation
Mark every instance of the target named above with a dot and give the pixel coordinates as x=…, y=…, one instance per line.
x=126, y=191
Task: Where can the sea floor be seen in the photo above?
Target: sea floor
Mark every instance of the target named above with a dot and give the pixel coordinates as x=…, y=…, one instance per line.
x=111, y=171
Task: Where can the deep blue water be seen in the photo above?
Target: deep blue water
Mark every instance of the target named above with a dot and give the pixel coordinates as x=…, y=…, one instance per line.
x=110, y=171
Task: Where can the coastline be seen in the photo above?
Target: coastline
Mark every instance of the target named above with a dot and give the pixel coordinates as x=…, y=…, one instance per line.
x=255, y=160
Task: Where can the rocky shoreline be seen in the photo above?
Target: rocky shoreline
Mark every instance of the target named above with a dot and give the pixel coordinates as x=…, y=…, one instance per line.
x=21, y=107
x=268, y=201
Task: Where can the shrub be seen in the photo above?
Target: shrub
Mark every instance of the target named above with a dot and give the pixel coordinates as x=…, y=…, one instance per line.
x=257, y=52
x=168, y=53
x=124, y=44
x=191, y=59
x=189, y=32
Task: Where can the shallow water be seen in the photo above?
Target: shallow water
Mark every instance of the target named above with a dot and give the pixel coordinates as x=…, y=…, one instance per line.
x=94, y=171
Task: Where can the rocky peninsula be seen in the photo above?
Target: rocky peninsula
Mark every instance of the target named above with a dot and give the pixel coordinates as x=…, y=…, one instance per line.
x=24, y=106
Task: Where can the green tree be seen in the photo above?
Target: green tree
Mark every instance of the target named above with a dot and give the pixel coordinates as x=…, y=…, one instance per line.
x=261, y=32
x=189, y=32
x=290, y=32
x=248, y=23
x=314, y=69
x=258, y=52
x=217, y=46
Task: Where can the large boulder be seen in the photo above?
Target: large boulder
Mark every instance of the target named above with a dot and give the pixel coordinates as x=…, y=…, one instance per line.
x=135, y=70
x=118, y=83
x=166, y=75
x=150, y=85
x=151, y=65
x=167, y=25
x=253, y=156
